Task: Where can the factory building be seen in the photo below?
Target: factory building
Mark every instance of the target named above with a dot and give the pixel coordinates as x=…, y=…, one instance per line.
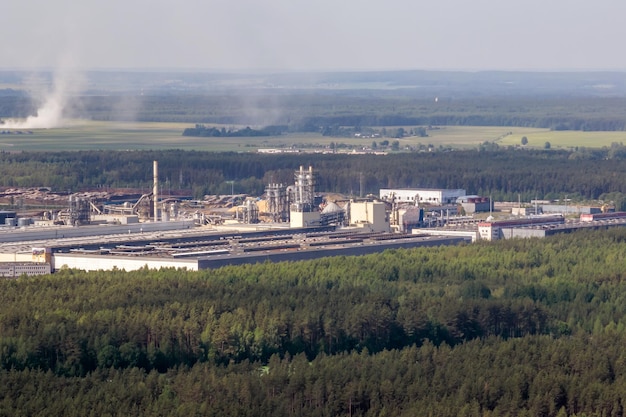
x=421, y=195
x=475, y=204
x=493, y=230
x=369, y=215
x=201, y=248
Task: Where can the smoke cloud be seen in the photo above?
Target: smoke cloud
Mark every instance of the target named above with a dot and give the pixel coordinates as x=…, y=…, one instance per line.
x=53, y=103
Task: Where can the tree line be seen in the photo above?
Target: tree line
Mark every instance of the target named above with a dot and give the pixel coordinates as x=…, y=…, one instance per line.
x=509, y=174
x=204, y=131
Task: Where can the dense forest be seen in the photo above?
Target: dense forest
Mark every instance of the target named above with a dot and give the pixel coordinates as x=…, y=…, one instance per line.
x=521, y=327
x=505, y=174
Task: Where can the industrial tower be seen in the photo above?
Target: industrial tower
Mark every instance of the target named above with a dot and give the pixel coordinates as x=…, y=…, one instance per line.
x=304, y=212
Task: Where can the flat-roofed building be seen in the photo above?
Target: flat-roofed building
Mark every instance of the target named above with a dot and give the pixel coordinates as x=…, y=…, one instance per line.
x=492, y=230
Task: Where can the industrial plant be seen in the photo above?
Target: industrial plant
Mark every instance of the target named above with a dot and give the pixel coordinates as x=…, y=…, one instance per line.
x=289, y=223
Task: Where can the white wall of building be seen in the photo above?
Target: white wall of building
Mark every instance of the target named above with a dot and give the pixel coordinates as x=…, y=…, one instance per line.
x=422, y=195
x=107, y=263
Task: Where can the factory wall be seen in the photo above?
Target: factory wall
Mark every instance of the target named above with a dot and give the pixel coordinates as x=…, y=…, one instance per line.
x=471, y=235
x=16, y=257
x=471, y=208
x=300, y=219
x=569, y=209
x=107, y=263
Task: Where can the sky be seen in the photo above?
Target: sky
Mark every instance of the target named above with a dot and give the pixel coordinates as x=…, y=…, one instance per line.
x=320, y=35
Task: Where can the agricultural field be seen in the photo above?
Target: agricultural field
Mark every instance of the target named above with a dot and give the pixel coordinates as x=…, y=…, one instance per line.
x=563, y=139
x=98, y=135
x=469, y=136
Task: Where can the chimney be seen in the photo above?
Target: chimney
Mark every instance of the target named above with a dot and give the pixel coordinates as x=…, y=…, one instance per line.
x=155, y=190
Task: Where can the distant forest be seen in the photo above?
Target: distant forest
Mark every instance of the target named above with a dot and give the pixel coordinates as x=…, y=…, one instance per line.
x=310, y=102
x=313, y=112
x=509, y=174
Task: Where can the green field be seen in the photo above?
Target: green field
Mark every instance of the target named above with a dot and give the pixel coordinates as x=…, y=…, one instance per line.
x=93, y=135
x=564, y=138
x=469, y=136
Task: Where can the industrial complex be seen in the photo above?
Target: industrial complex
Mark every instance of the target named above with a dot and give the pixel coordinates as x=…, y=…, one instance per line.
x=289, y=223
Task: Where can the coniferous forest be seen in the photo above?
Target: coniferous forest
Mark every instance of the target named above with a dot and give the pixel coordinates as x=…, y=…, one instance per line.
x=505, y=174
x=520, y=327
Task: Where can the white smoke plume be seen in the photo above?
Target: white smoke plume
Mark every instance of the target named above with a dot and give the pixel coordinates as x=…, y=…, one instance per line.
x=53, y=104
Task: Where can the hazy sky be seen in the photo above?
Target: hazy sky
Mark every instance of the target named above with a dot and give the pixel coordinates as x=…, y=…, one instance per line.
x=314, y=35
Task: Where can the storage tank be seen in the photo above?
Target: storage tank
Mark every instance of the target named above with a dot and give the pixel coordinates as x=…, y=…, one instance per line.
x=23, y=221
x=10, y=221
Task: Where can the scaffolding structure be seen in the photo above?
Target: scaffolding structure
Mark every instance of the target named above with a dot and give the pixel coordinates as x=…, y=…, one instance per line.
x=304, y=192
x=79, y=211
x=277, y=202
x=248, y=212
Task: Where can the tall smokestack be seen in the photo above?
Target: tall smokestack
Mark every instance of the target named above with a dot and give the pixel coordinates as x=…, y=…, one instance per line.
x=155, y=190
